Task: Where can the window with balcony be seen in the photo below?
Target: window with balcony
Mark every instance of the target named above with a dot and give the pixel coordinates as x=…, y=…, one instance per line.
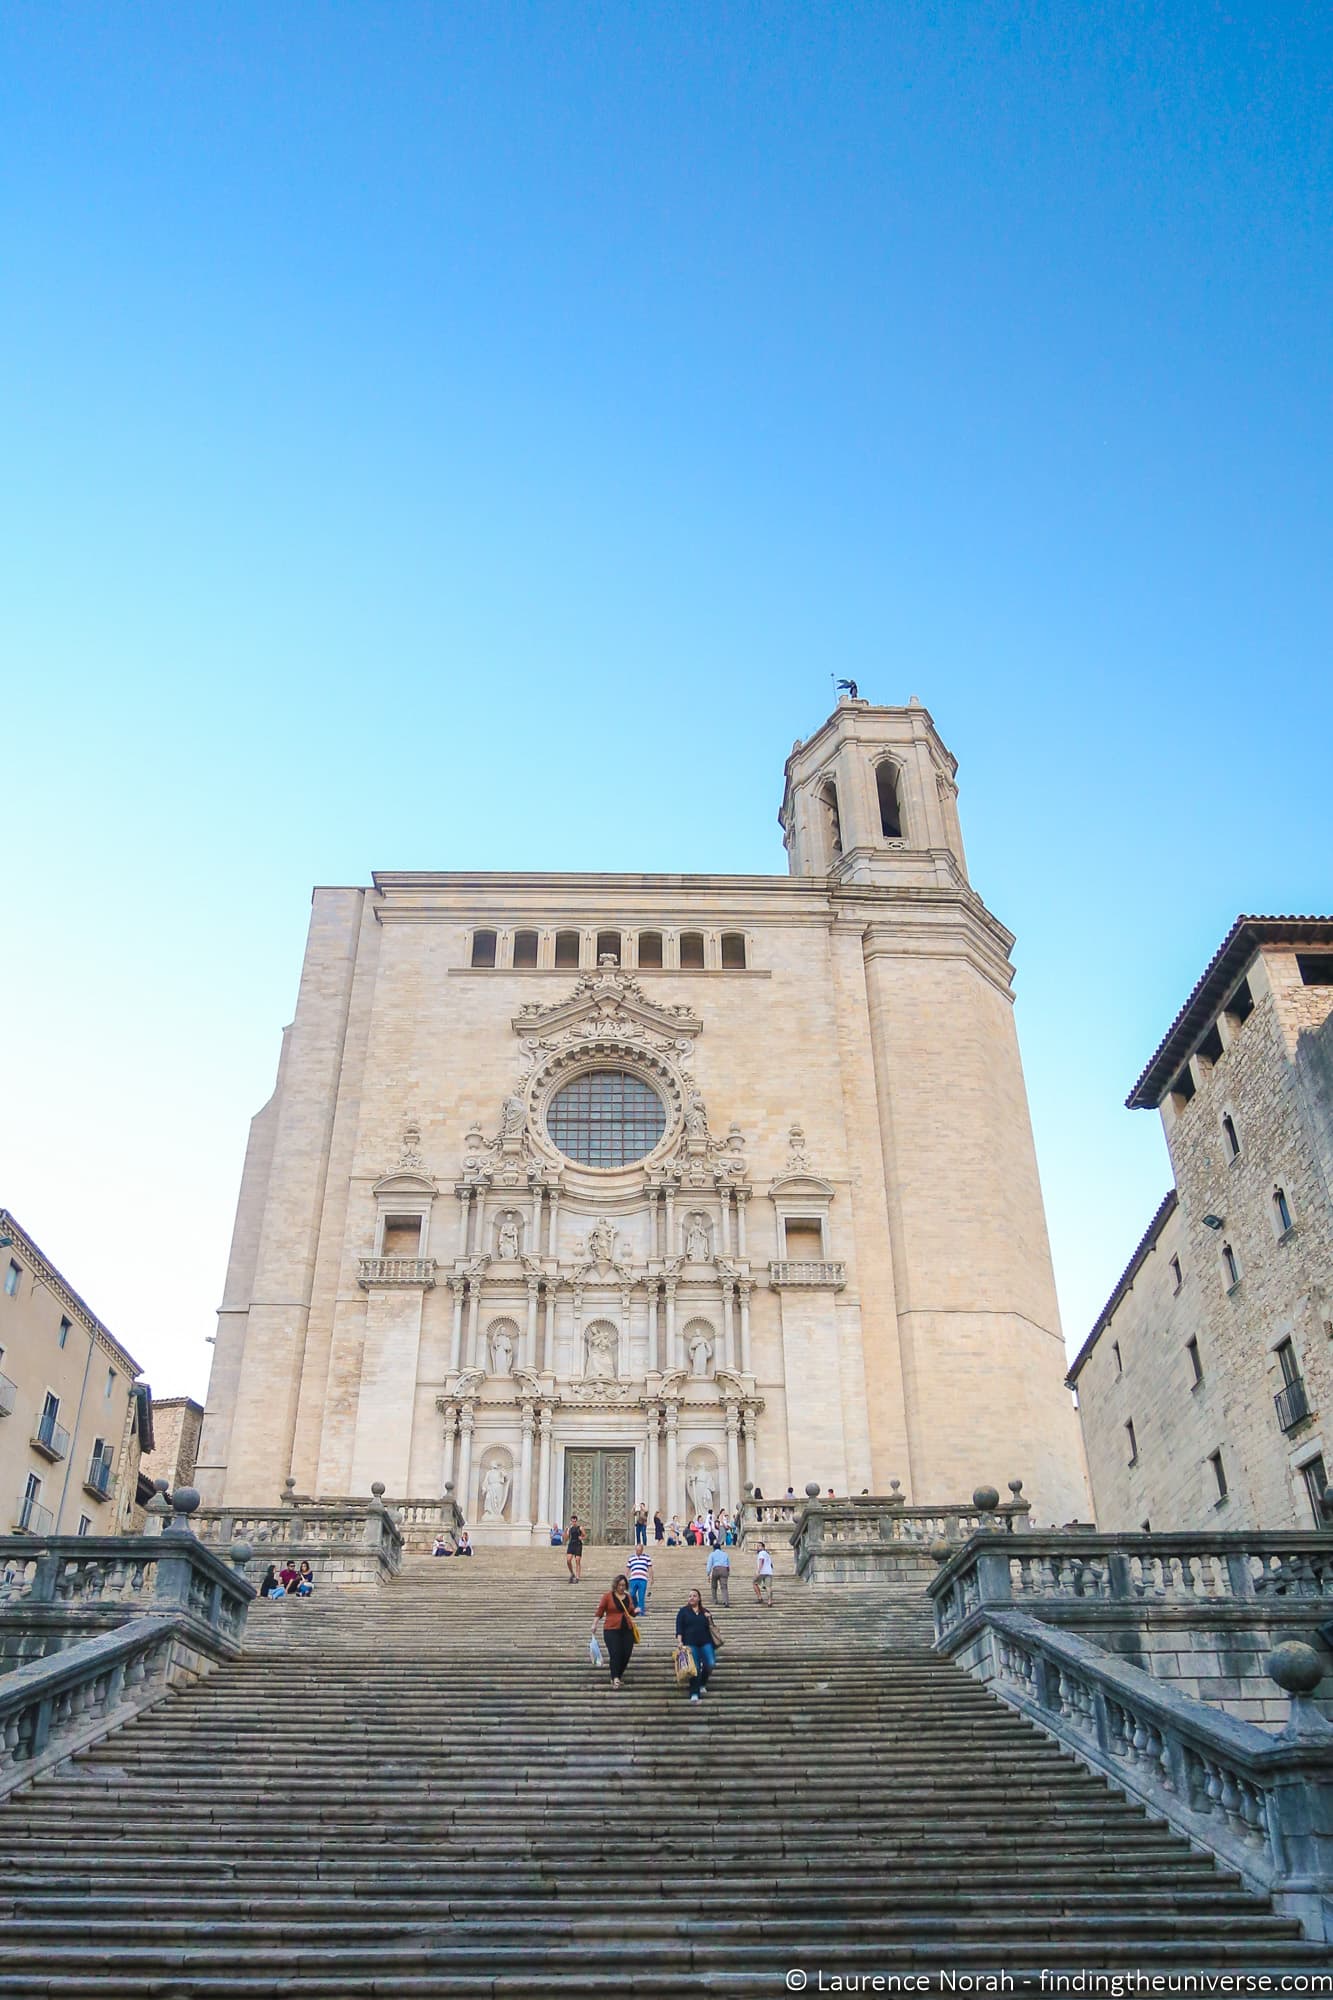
x=98, y=1478
x=12, y=1276
x=33, y=1518
x=1291, y=1403
x=51, y=1438
x=8, y=1390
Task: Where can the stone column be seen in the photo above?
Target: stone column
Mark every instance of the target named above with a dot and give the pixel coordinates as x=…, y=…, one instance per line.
x=462, y=1492
x=726, y=1222
x=751, y=1425
x=742, y=1200
x=479, y=1241
x=576, y=1342
x=535, y=1247
x=474, y=1323
x=733, y=1458
x=523, y=1512
x=673, y=1492
x=464, y=1214
x=552, y=1219
x=654, y=1361
x=530, y=1344
x=650, y=1463
x=544, y=1468
x=458, y=1287
x=623, y=1348
x=673, y=1353
x=744, y=1287
x=670, y=1247
x=548, y=1329
x=450, y=1415
x=728, y=1314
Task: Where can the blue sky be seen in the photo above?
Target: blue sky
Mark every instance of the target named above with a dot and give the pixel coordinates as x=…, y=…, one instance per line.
x=461, y=436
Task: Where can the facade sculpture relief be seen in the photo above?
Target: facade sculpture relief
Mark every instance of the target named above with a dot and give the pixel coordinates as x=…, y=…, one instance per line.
x=494, y=1492
x=697, y=1246
x=600, y=1344
x=502, y=1350
x=699, y=1347
x=508, y=1238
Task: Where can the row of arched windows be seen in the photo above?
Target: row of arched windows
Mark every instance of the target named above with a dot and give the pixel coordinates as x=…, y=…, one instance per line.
x=652, y=951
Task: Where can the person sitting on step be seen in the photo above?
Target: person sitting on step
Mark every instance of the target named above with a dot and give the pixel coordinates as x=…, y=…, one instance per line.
x=464, y=1545
x=305, y=1581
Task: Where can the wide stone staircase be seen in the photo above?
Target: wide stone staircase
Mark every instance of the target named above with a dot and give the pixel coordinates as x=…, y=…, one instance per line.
x=430, y=1790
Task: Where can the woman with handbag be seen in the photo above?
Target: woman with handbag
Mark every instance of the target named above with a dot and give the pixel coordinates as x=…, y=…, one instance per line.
x=615, y=1615
x=694, y=1630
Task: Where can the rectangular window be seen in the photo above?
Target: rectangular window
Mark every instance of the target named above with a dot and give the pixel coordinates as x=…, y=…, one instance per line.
x=1177, y=1275
x=1316, y=969
x=1210, y=1048
x=566, y=950
x=1281, y=1211
x=1287, y=1362
x=1192, y=1349
x=650, y=950
x=525, y=950
x=63, y=1334
x=1119, y=1364
x=110, y=1382
x=1241, y=1004
x=1132, y=1442
x=12, y=1276
x=85, y=1523
x=1183, y=1087
x=733, y=951
x=483, y=948
x=1219, y=1474
x=1230, y=1267
x=692, y=950
x=1316, y=1480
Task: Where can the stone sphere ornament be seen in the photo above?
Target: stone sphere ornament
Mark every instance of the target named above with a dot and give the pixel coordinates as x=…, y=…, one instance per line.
x=240, y=1553
x=1016, y=1488
x=985, y=1499
x=812, y=1489
x=1296, y=1667
x=377, y=1489
x=941, y=1551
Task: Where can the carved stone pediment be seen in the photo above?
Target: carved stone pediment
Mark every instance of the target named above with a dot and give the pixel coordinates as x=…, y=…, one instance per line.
x=598, y=1395
x=610, y=1000
x=406, y=1184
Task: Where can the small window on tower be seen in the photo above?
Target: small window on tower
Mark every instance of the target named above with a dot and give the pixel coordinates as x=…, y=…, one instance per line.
x=650, y=950
x=692, y=950
x=1281, y=1212
x=1230, y=1267
x=1177, y=1275
x=733, y=951
x=483, y=947
x=890, y=804
x=1315, y=968
x=525, y=950
x=1210, y=1048
x=1241, y=1004
x=1229, y=1134
x=829, y=800
x=566, y=951
x=1196, y=1366
x=1132, y=1442
x=1183, y=1088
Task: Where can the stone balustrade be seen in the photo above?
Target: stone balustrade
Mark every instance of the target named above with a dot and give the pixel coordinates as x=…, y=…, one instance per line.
x=857, y=1539
x=349, y=1543
x=1261, y=1802
x=395, y=1271
x=1197, y=1610
x=823, y=1272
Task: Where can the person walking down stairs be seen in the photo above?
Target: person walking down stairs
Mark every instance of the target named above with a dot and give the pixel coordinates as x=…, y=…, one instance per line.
x=615, y=1615
x=694, y=1628
x=574, y=1550
x=639, y=1569
x=718, y=1571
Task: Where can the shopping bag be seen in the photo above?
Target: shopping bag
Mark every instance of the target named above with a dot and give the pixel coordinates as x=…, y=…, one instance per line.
x=595, y=1651
x=685, y=1663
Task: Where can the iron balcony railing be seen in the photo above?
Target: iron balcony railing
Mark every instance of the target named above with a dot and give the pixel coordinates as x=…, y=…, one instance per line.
x=52, y=1439
x=8, y=1394
x=33, y=1518
x=99, y=1475
x=1292, y=1404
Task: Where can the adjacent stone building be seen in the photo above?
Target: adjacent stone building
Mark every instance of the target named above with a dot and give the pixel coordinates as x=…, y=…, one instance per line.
x=578, y=1189
x=73, y=1420
x=177, y=1421
x=1206, y=1385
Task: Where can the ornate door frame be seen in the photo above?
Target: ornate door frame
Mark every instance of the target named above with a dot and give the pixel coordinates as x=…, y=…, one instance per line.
x=599, y=1487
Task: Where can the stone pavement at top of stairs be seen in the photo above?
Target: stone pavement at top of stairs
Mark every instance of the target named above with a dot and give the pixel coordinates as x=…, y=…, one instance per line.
x=428, y=1790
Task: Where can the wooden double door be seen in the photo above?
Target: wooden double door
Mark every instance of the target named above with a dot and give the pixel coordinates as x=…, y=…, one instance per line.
x=599, y=1488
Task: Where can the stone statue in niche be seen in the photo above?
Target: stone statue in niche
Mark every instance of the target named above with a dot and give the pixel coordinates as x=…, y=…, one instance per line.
x=699, y=1347
x=697, y=1245
x=502, y=1351
x=494, y=1492
x=696, y=1117
x=513, y=1118
x=507, y=1241
x=600, y=1362
x=602, y=1243
x=699, y=1486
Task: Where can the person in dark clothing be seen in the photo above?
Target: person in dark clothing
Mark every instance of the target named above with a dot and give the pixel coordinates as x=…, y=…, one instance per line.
x=574, y=1550
x=270, y=1587
x=659, y=1528
x=695, y=1628
x=615, y=1615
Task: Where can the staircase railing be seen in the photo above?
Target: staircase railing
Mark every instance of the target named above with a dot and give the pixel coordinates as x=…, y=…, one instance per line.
x=348, y=1543
x=861, y=1536
x=1262, y=1803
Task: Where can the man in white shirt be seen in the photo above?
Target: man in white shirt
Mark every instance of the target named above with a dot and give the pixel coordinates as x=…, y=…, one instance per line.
x=763, y=1576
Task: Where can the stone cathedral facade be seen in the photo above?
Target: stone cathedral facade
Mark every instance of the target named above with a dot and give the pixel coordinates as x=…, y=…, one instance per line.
x=576, y=1190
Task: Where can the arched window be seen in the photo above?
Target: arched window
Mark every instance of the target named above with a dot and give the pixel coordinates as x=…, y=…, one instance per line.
x=608, y=946
x=525, y=948
x=733, y=950
x=483, y=947
x=650, y=949
x=692, y=950
x=1229, y=1134
x=829, y=800
x=566, y=950
x=890, y=804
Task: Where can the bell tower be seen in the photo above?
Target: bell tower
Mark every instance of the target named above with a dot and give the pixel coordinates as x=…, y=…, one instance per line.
x=871, y=799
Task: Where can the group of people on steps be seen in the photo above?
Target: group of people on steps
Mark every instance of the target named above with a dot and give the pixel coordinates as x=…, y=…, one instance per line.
x=616, y=1619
